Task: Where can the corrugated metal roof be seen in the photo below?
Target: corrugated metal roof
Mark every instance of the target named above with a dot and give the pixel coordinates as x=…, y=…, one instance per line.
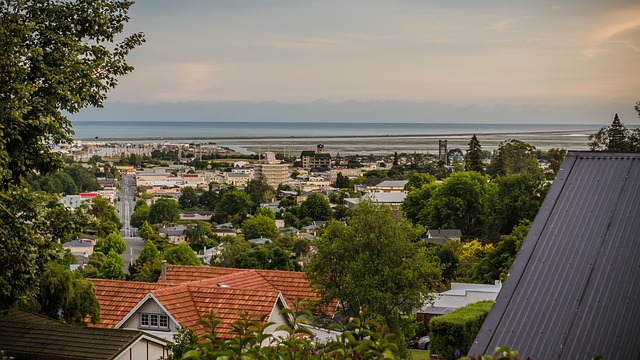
x=574, y=290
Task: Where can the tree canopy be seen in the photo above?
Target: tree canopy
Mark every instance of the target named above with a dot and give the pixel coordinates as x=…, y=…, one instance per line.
x=515, y=157
x=473, y=159
x=376, y=261
x=316, y=207
x=55, y=59
x=616, y=137
x=164, y=210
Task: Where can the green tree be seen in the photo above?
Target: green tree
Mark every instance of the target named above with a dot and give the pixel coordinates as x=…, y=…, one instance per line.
x=83, y=178
x=259, y=226
x=181, y=254
x=140, y=214
x=200, y=235
x=473, y=159
x=459, y=203
x=113, y=242
x=113, y=267
x=418, y=180
x=342, y=182
x=513, y=198
x=514, y=157
x=416, y=205
x=164, y=210
x=107, y=220
x=148, y=266
x=54, y=60
x=316, y=207
x=556, y=157
x=616, y=138
x=375, y=261
x=147, y=232
x=232, y=248
x=498, y=260
x=260, y=191
x=234, y=205
x=264, y=211
x=188, y=198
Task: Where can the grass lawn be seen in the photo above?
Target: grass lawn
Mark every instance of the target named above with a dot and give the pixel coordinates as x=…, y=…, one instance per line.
x=420, y=354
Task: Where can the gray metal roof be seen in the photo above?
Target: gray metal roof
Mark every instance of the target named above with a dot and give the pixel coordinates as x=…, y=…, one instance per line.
x=25, y=335
x=574, y=290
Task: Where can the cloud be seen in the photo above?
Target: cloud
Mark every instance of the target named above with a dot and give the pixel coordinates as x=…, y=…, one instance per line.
x=504, y=24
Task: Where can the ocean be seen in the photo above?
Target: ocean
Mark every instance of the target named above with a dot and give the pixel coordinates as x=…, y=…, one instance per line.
x=198, y=129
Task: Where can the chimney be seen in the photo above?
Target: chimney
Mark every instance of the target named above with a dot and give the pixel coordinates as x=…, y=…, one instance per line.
x=164, y=271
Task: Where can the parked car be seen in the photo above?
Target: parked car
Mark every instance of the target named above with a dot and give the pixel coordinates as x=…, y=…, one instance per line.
x=423, y=342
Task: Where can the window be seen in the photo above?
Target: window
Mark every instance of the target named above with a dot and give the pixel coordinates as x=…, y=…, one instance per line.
x=144, y=320
x=154, y=321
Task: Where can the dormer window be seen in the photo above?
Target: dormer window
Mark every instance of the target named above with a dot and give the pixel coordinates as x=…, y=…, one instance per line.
x=154, y=321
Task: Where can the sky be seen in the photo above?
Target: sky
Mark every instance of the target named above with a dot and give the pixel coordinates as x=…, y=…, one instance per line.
x=422, y=60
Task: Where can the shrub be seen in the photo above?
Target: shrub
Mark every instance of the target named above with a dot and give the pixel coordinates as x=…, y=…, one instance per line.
x=452, y=334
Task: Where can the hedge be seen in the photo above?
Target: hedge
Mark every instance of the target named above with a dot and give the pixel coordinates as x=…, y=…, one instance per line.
x=452, y=334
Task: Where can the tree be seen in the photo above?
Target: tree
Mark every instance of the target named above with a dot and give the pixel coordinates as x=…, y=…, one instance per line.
x=615, y=137
x=415, y=205
x=113, y=242
x=234, y=205
x=556, y=157
x=107, y=220
x=113, y=266
x=260, y=191
x=417, y=180
x=342, y=182
x=459, y=203
x=200, y=235
x=140, y=214
x=148, y=266
x=54, y=60
x=316, y=207
x=514, y=157
x=188, y=198
x=473, y=159
x=164, y=210
x=513, y=198
x=181, y=254
x=259, y=226
x=498, y=260
x=375, y=261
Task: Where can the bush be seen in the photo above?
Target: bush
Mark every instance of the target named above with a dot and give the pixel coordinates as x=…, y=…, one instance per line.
x=452, y=334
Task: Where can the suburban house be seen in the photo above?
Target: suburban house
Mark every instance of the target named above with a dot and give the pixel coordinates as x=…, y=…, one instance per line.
x=440, y=236
x=174, y=234
x=460, y=294
x=25, y=335
x=184, y=294
x=392, y=199
x=573, y=290
x=81, y=250
x=388, y=186
x=195, y=215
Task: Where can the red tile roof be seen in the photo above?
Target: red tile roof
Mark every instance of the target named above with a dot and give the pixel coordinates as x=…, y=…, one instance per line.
x=117, y=298
x=177, y=274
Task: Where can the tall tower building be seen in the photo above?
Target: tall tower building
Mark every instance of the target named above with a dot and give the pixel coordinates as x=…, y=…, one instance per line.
x=442, y=151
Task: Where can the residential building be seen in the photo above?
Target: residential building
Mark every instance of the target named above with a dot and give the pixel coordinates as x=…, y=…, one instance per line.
x=25, y=335
x=316, y=159
x=346, y=172
x=442, y=235
x=174, y=234
x=272, y=170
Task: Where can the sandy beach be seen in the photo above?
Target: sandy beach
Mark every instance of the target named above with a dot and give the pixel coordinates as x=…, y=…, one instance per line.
x=375, y=144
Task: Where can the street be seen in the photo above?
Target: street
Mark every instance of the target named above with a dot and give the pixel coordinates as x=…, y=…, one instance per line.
x=125, y=205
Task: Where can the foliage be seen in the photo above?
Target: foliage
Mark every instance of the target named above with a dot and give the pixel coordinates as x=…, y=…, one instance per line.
x=342, y=182
x=265, y=258
x=556, y=157
x=459, y=203
x=616, y=138
x=140, y=214
x=148, y=264
x=63, y=295
x=83, y=178
x=163, y=211
x=415, y=205
x=373, y=262
x=112, y=267
x=501, y=353
x=260, y=191
x=184, y=340
x=188, y=198
x=362, y=339
x=514, y=157
x=453, y=333
x=200, y=235
x=498, y=260
x=29, y=240
x=54, y=61
x=113, y=242
x=260, y=226
x=58, y=182
x=181, y=254
x=473, y=160
x=469, y=254
x=104, y=213
x=513, y=198
x=418, y=180
x=234, y=205
x=316, y=207
x=232, y=247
